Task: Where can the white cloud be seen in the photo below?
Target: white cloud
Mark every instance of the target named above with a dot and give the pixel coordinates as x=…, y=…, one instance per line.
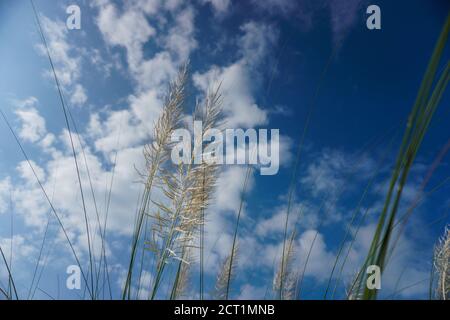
x=67, y=64
x=131, y=127
x=60, y=181
x=220, y=6
x=26, y=173
x=180, y=39
x=172, y=4
x=33, y=125
x=154, y=73
x=5, y=191
x=331, y=170
x=239, y=103
x=241, y=80
x=146, y=107
x=130, y=30
x=79, y=96
x=28, y=102
x=150, y=7
x=47, y=142
x=320, y=260
x=65, y=57
x=250, y=292
x=230, y=184
x=274, y=225
x=257, y=42
x=21, y=247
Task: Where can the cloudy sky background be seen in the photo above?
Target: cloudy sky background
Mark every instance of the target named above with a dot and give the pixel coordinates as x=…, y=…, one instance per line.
x=270, y=55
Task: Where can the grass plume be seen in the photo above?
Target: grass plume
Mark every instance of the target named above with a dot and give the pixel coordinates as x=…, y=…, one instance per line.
x=226, y=274
x=441, y=265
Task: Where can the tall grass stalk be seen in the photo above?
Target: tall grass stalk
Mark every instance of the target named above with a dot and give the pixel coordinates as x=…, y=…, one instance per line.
x=156, y=154
x=226, y=274
x=204, y=178
x=10, y=278
x=428, y=175
x=39, y=258
x=182, y=276
x=441, y=266
x=74, y=154
x=188, y=190
x=352, y=292
x=229, y=266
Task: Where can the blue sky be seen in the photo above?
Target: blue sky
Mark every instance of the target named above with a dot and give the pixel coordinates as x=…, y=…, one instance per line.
x=270, y=56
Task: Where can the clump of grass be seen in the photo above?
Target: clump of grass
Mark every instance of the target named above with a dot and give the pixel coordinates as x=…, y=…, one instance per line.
x=188, y=190
x=179, y=219
x=156, y=154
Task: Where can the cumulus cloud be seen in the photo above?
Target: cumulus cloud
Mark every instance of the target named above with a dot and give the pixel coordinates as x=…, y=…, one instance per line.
x=130, y=28
x=123, y=131
x=250, y=292
x=239, y=103
x=33, y=125
x=320, y=259
x=241, y=80
x=180, y=39
x=230, y=186
x=59, y=178
x=220, y=6
x=21, y=247
x=66, y=59
x=330, y=169
x=5, y=189
x=79, y=96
